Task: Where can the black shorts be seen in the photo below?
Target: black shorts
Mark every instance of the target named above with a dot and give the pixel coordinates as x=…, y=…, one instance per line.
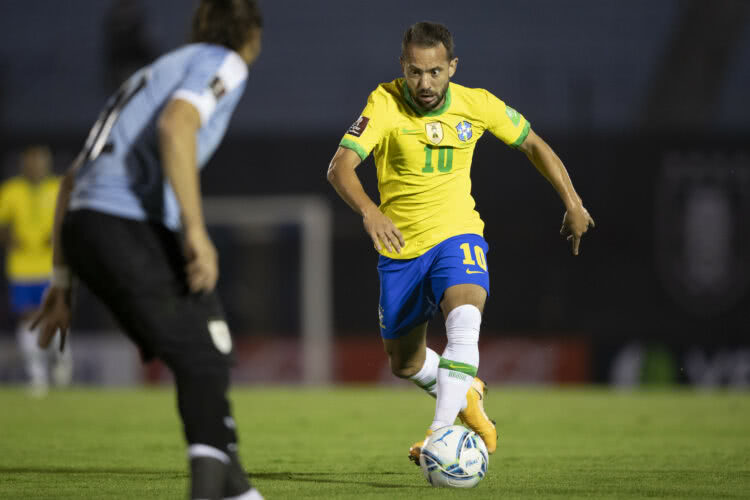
x=137, y=269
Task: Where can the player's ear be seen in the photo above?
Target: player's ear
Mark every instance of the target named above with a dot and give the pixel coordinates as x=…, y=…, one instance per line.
x=452, y=67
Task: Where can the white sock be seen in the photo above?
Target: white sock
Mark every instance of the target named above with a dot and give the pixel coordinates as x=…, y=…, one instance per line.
x=426, y=378
x=458, y=364
x=34, y=357
x=62, y=371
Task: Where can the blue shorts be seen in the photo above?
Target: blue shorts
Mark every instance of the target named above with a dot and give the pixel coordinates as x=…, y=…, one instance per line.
x=26, y=296
x=411, y=289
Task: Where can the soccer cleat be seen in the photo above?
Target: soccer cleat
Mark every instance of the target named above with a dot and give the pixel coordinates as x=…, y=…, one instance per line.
x=475, y=418
x=416, y=448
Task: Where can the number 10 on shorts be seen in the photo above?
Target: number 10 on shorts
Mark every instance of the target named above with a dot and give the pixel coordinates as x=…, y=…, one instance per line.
x=478, y=253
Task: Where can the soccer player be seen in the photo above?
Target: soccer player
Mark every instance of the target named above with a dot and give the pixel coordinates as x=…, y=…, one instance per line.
x=422, y=129
x=27, y=208
x=129, y=224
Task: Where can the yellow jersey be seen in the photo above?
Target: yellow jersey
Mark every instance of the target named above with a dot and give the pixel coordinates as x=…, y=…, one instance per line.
x=423, y=159
x=28, y=210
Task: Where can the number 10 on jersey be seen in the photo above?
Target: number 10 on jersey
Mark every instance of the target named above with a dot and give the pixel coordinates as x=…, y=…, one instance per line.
x=444, y=162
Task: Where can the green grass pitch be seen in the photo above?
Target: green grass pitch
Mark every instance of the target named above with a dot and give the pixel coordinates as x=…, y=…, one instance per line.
x=352, y=443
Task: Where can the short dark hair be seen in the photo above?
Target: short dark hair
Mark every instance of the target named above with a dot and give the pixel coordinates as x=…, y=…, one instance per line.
x=225, y=22
x=427, y=34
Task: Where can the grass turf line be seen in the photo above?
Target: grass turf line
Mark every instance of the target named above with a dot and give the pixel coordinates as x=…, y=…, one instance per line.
x=352, y=443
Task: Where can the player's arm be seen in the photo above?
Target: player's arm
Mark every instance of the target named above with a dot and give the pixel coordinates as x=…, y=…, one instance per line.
x=577, y=219
x=343, y=177
x=55, y=311
x=178, y=127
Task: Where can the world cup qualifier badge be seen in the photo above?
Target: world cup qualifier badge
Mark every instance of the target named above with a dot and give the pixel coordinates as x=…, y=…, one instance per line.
x=464, y=130
x=359, y=126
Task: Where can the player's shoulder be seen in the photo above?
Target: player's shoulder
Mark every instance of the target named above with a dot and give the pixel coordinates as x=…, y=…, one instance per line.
x=205, y=57
x=471, y=95
x=386, y=93
x=13, y=184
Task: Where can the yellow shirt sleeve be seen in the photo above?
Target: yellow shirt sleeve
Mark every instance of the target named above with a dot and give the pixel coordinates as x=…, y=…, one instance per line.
x=5, y=205
x=370, y=127
x=505, y=123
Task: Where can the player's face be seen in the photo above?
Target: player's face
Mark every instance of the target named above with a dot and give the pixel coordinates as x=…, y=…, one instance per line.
x=428, y=72
x=36, y=163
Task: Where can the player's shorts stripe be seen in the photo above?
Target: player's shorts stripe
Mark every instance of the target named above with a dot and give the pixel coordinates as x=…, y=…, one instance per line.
x=457, y=366
x=523, y=135
x=350, y=144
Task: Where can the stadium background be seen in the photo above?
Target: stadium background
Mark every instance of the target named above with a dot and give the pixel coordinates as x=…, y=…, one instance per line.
x=647, y=103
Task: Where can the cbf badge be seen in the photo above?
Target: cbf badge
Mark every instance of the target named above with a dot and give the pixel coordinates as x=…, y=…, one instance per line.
x=434, y=132
x=464, y=130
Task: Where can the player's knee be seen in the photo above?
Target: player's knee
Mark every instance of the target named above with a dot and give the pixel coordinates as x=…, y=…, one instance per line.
x=403, y=369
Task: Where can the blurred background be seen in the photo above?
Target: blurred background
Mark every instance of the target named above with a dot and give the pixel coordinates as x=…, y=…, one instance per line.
x=647, y=103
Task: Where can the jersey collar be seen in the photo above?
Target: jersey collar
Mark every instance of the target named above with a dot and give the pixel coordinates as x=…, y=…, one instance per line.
x=417, y=109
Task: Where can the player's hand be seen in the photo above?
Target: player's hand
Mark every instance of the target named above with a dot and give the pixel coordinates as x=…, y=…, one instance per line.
x=202, y=266
x=382, y=230
x=53, y=316
x=575, y=224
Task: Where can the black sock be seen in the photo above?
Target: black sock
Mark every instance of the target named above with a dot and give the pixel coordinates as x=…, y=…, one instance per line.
x=208, y=476
x=236, y=481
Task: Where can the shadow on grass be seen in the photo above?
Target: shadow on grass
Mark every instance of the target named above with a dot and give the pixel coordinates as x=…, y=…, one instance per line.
x=89, y=470
x=325, y=477
x=309, y=477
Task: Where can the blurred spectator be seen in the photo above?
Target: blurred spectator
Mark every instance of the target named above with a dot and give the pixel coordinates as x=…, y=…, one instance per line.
x=27, y=207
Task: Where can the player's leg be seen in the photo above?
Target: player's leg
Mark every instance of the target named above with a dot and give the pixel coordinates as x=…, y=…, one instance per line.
x=460, y=277
x=34, y=358
x=403, y=313
x=410, y=358
x=137, y=270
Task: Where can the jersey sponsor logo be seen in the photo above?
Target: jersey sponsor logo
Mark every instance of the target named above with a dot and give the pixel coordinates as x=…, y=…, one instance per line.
x=513, y=115
x=220, y=335
x=434, y=132
x=359, y=126
x=464, y=130
x=218, y=88
x=469, y=271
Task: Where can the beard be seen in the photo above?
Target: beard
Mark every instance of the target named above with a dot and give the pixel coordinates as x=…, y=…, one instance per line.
x=439, y=97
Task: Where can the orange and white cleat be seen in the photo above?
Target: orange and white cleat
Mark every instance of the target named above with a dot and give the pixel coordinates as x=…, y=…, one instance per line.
x=416, y=448
x=475, y=418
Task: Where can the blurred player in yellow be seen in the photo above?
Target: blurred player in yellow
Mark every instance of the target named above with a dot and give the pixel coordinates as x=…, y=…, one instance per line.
x=422, y=130
x=27, y=208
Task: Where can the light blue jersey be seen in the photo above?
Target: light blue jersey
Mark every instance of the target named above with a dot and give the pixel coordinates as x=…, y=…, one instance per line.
x=122, y=174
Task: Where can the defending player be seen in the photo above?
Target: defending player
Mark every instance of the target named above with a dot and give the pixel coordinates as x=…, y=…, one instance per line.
x=27, y=208
x=129, y=224
x=422, y=130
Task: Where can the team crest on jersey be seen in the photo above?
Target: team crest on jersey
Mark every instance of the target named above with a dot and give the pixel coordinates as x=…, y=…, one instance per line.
x=464, y=130
x=434, y=132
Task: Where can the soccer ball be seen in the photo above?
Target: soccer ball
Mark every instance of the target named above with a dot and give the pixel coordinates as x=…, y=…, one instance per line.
x=454, y=457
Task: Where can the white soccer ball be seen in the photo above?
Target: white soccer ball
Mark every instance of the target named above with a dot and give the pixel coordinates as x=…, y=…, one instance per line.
x=454, y=457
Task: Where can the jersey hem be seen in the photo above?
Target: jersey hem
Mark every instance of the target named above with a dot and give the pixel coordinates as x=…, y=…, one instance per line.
x=424, y=250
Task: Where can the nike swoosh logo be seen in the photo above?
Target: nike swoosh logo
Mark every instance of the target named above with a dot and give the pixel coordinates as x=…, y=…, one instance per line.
x=469, y=271
x=411, y=131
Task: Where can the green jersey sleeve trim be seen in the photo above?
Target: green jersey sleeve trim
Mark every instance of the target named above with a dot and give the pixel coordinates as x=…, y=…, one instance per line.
x=350, y=144
x=523, y=135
